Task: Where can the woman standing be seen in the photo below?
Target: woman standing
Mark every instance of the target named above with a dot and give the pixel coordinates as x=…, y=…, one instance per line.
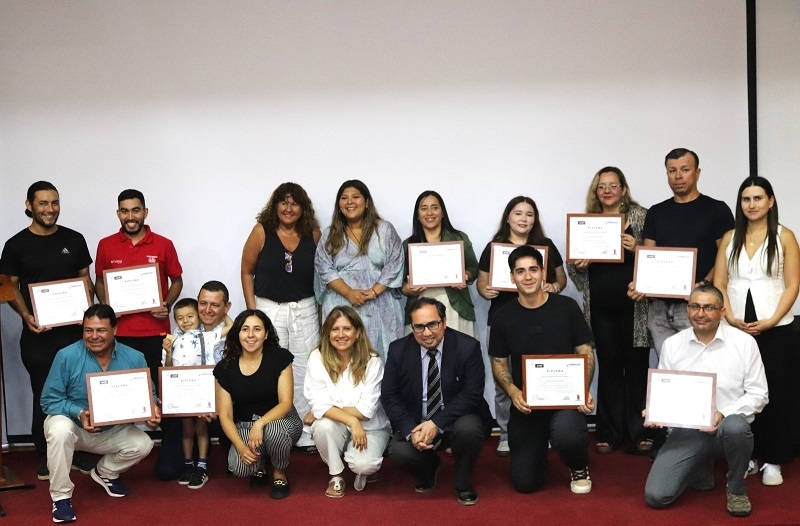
x=278, y=279
x=343, y=387
x=254, y=400
x=431, y=224
x=619, y=325
x=359, y=262
x=519, y=225
x=758, y=272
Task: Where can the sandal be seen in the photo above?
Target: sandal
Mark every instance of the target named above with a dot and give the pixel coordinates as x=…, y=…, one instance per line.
x=335, y=487
x=604, y=448
x=644, y=445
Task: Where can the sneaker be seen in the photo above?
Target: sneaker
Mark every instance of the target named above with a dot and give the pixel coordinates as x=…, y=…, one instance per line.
x=581, y=483
x=42, y=473
x=63, y=512
x=502, y=449
x=739, y=505
x=186, y=474
x=752, y=468
x=771, y=475
x=199, y=478
x=114, y=487
x=82, y=462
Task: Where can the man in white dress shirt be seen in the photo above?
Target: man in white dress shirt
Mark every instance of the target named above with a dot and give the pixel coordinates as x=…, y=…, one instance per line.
x=686, y=459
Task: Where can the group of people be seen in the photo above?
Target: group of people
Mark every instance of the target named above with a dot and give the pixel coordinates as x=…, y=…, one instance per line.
x=373, y=374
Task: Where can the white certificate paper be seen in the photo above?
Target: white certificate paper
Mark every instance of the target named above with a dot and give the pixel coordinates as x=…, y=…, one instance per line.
x=596, y=237
x=662, y=272
x=133, y=289
x=436, y=264
x=680, y=398
x=62, y=302
x=187, y=391
x=554, y=381
x=499, y=273
x=120, y=397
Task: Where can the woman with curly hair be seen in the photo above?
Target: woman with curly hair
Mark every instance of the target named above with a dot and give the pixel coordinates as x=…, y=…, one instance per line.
x=343, y=387
x=359, y=263
x=278, y=278
x=254, y=400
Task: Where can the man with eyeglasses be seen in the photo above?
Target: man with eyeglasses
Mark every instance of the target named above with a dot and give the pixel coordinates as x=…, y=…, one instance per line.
x=688, y=219
x=432, y=392
x=686, y=459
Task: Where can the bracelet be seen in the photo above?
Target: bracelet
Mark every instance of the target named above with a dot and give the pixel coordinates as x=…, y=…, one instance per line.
x=373, y=291
x=556, y=287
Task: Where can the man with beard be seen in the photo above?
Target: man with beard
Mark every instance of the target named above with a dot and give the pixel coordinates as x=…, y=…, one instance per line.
x=45, y=251
x=135, y=244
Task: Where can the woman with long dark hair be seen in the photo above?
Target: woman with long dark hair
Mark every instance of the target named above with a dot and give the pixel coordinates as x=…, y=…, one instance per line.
x=430, y=223
x=758, y=272
x=254, y=400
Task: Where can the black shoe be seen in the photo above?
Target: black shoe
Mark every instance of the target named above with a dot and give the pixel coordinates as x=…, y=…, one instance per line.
x=467, y=497
x=199, y=478
x=259, y=480
x=186, y=474
x=280, y=489
x=428, y=485
x=81, y=461
x=42, y=473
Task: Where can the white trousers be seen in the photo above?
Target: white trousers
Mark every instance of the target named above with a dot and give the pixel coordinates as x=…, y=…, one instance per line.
x=333, y=439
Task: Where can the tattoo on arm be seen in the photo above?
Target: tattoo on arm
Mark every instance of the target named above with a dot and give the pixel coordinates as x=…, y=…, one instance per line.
x=586, y=350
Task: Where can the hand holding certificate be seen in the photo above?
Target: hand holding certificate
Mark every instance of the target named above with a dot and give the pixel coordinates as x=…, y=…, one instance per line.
x=663, y=272
x=555, y=381
x=680, y=399
x=187, y=391
x=436, y=264
x=62, y=302
x=133, y=289
x=120, y=397
x=595, y=237
x=499, y=273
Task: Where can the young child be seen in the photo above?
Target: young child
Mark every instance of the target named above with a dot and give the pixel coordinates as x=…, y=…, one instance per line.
x=186, y=348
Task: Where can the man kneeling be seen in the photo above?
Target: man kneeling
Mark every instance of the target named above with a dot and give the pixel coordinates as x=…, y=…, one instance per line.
x=68, y=425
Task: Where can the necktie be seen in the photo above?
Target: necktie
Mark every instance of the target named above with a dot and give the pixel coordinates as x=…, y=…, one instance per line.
x=434, y=391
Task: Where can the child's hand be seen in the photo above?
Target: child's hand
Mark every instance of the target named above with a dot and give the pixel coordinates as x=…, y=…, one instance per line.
x=167, y=342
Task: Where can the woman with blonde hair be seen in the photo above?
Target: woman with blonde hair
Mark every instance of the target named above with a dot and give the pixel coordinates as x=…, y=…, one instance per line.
x=343, y=388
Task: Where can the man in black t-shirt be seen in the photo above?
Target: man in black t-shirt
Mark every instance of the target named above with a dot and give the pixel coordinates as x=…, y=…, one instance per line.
x=688, y=219
x=44, y=252
x=540, y=323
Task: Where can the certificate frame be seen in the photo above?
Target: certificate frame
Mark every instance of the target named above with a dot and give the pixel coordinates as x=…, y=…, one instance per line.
x=499, y=273
x=98, y=385
x=151, y=296
x=76, y=287
x=649, y=281
x=415, y=255
x=604, y=224
x=685, y=384
x=172, y=379
x=575, y=367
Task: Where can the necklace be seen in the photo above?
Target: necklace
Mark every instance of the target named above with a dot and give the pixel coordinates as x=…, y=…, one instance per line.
x=249, y=366
x=353, y=235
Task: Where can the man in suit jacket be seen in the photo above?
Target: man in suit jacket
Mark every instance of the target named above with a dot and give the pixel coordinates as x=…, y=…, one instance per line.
x=459, y=417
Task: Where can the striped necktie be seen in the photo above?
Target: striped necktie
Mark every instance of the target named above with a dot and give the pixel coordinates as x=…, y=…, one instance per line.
x=434, y=391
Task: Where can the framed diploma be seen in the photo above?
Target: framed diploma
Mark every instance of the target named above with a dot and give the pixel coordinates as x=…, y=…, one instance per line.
x=596, y=237
x=436, y=264
x=133, y=289
x=61, y=302
x=120, y=397
x=187, y=391
x=499, y=274
x=665, y=272
x=555, y=381
x=681, y=398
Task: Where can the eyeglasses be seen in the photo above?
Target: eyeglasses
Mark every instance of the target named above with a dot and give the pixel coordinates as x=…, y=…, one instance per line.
x=612, y=187
x=288, y=257
x=419, y=328
x=710, y=309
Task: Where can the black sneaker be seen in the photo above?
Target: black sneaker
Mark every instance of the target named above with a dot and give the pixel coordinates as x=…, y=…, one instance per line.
x=199, y=478
x=186, y=474
x=62, y=511
x=42, y=473
x=81, y=461
x=114, y=487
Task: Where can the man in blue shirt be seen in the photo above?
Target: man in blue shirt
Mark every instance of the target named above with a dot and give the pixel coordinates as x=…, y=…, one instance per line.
x=68, y=425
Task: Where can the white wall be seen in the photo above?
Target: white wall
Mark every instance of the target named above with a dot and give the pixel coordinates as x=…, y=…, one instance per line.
x=206, y=106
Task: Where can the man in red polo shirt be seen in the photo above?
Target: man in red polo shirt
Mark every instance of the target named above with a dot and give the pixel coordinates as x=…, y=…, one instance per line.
x=135, y=244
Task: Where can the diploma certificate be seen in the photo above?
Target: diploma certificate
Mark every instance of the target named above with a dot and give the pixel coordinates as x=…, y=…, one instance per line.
x=120, y=397
x=555, y=381
x=62, y=302
x=187, y=391
x=662, y=272
x=680, y=398
x=596, y=237
x=133, y=289
x=436, y=264
x=499, y=273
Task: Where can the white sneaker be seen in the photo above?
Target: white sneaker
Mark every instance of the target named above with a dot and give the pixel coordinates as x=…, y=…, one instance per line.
x=503, y=449
x=771, y=475
x=580, y=483
x=752, y=468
